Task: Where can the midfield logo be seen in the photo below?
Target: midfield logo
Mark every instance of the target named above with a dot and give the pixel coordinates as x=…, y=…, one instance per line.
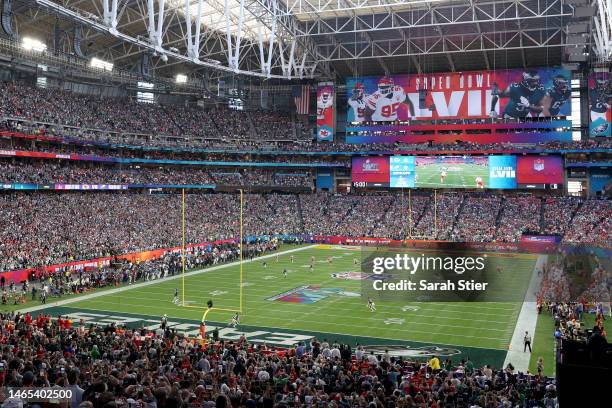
x=310, y=294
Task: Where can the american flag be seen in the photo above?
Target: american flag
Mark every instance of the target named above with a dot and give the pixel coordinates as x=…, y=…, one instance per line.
x=301, y=97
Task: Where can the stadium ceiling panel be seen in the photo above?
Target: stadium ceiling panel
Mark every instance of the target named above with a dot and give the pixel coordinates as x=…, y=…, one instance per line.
x=289, y=39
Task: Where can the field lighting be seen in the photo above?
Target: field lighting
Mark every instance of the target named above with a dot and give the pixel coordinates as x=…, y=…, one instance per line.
x=101, y=64
x=32, y=44
x=181, y=78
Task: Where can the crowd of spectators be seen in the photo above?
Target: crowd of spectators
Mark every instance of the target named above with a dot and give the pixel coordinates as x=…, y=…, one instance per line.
x=591, y=223
x=477, y=220
x=575, y=292
x=259, y=139
x=154, y=366
x=46, y=228
x=121, y=120
x=519, y=214
x=51, y=172
x=107, y=119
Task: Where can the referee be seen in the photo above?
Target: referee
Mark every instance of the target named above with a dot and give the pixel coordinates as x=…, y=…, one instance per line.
x=527, y=342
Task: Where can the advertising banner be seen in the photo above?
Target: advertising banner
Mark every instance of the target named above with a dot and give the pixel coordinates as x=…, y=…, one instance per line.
x=325, y=112
x=600, y=104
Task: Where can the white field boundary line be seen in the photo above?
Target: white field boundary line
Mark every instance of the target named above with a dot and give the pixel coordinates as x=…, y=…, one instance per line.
x=526, y=322
x=158, y=281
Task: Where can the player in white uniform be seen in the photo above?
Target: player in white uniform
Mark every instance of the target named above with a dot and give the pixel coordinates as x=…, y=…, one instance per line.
x=371, y=305
x=384, y=102
x=442, y=175
x=324, y=102
x=235, y=320
x=357, y=102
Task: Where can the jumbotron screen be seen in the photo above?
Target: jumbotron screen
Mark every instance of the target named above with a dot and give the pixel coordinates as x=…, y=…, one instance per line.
x=477, y=172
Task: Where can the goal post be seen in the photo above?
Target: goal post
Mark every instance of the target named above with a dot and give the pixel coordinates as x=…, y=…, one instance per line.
x=185, y=302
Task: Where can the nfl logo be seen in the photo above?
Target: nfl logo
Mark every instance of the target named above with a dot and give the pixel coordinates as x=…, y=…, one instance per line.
x=538, y=165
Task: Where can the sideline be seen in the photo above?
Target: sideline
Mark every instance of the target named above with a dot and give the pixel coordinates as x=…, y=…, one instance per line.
x=156, y=281
x=526, y=322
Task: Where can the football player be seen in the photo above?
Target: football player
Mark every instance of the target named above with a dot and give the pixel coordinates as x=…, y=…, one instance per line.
x=556, y=96
x=525, y=97
x=383, y=104
x=357, y=102
x=600, y=97
x=235, y=320
x=479, y=183
x=324, y=102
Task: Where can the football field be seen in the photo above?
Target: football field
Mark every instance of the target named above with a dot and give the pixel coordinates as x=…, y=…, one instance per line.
x=458, y=175
x=324, y=302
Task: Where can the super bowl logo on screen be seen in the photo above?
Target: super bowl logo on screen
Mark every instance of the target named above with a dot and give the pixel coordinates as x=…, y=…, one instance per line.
x=502, y=172
x=369, y=166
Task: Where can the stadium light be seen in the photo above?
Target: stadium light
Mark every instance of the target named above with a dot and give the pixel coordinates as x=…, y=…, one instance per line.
x=181, y=78
x=101, y=64
x=32, y=44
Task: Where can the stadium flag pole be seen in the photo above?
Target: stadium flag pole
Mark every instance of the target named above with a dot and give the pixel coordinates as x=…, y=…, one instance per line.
x=241, y=243
x=183, y=245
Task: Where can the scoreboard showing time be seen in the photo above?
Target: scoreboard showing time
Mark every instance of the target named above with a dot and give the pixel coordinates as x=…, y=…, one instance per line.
x=370, y=171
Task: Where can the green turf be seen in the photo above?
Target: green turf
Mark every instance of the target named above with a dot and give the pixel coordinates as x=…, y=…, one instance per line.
x=478, y=325
x=544, y=344
x=457, y=175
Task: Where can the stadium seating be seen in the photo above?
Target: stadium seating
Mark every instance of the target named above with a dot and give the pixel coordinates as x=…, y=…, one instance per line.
x=46, y=228
x=112, y=120
x=133, y=359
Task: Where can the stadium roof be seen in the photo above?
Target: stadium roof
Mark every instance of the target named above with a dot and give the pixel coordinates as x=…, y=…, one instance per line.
x=312, y=38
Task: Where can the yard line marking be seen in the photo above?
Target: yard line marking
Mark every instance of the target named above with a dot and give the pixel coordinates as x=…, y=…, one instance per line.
x=329, y=303
x=155, y=282
x=319, y=310
x=407, y=330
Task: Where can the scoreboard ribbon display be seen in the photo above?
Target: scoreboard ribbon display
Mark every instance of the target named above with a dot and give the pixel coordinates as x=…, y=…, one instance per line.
x=477, y=172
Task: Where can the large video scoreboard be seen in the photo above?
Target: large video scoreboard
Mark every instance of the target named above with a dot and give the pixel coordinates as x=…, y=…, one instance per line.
x=477, y=172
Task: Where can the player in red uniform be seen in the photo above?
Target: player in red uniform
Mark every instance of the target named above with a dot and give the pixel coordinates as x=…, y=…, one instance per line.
x=479, y=183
